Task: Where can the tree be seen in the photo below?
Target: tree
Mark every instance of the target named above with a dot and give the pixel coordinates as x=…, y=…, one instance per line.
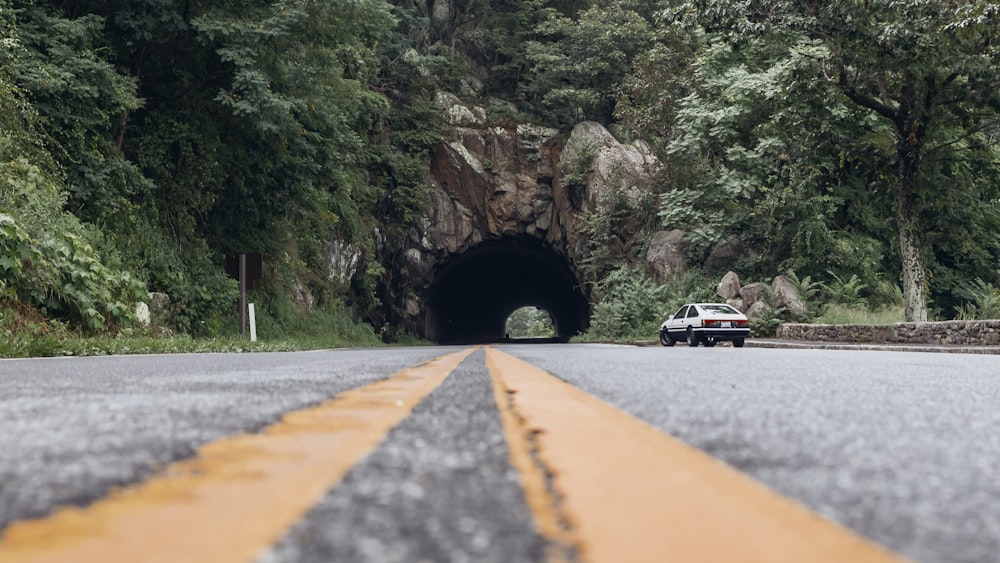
x=529, y=322
x=928, y=70
x=82, y=102
x=577, y=61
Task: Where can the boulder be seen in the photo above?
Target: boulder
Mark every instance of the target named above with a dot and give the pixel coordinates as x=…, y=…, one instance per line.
x=158, y=303
x=757, y=310
x=666, y=256
x=584, y=141
x=729, y=287
x=753, y=293
x=159, y=307
x=142, y=314
x=302, y=298
x=725, y=254
x=785, y=293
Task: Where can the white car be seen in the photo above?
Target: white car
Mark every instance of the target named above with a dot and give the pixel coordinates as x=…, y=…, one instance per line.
x=705, y=323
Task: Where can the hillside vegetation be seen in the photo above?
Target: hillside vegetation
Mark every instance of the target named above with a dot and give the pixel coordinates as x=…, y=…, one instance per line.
x=852, y=143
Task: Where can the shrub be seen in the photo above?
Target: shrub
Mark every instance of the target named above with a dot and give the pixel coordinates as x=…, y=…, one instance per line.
x=632, y=306
x=62, y=276
x=982, y=301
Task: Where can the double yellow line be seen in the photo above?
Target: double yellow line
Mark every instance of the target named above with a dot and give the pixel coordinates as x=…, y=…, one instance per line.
x=601, y=485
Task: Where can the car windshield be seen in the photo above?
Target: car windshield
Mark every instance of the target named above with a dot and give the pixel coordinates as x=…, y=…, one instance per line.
x=722, y=309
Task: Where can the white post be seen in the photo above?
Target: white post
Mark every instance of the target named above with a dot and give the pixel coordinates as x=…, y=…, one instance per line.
x=253, y=324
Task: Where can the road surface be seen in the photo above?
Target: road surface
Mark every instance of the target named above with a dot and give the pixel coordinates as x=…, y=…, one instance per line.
x=502, y=453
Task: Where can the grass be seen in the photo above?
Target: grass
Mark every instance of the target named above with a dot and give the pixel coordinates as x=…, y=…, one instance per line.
x=25, y=334
x=845, y=315
x=49, y=346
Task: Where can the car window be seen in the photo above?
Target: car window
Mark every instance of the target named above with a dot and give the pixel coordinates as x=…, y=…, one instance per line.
x=723, y=309
x=680, y=314
x=692, y=311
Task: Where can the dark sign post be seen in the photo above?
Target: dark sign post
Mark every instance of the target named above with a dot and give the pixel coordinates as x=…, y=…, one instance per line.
x=248, y=269
x=243, y=294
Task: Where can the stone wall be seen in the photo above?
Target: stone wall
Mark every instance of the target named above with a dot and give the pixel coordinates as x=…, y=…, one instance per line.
x=964, y=333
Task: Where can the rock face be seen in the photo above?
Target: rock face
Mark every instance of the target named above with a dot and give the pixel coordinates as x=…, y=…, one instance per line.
x=667, y=254
x=490, y=182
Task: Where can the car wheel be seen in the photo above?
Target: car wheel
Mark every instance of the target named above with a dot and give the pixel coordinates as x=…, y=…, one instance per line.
x=708, y=341
x=665, y=338
x=738, y=342
x=691, y=338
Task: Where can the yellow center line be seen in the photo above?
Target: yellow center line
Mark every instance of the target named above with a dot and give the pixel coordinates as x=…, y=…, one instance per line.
x=239, y=494
x=630, y=492
x=534, y=481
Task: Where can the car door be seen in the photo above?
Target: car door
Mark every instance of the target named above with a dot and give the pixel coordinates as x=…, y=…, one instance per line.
x=676, y=324
x=692, y=319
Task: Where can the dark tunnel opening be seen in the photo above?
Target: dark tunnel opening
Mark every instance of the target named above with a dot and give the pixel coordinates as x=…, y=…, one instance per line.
x=473, y=293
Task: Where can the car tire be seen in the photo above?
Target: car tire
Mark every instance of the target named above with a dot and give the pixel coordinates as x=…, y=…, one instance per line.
x=691, y=338
x=737, y=342
x=666, y=339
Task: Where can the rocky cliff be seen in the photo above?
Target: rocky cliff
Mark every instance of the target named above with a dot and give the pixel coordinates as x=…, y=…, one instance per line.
x=491, y=182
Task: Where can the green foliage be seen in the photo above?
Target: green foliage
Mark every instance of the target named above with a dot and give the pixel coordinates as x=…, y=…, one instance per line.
x=798, y=106
x=835, y=313
x=62, y=276
x=845, y=292
x=529, y=322
x=982, y=301
x=330, y=326
x=82, y=104
x=576, y=61
x=631, y=306
x=202, y=296
x=806, y=286
x=766, y=324
x=24, y=334
x=579, y=167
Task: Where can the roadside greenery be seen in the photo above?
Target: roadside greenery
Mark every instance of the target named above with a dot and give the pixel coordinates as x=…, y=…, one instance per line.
x=23, y=333
x=855, y=144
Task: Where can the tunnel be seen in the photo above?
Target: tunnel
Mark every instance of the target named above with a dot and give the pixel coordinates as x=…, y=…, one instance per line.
x=473, y=293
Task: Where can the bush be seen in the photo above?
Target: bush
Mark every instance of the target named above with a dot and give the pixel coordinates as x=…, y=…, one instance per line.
x=982, y=301
x=632, y=306
x=329, y=326
x=62, y=276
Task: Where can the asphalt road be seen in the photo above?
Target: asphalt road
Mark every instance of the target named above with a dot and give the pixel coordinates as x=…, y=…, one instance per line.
x=902, y=448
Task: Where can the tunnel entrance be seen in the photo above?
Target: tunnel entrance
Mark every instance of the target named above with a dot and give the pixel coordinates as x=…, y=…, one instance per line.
x=474, y=293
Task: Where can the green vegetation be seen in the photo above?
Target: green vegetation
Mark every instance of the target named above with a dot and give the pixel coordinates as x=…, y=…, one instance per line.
x=530, y=322
x=631, y=306
x=853, y=315
x=141, y=142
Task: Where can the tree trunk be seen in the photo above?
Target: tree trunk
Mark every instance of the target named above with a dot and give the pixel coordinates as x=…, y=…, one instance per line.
x=910, y=244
